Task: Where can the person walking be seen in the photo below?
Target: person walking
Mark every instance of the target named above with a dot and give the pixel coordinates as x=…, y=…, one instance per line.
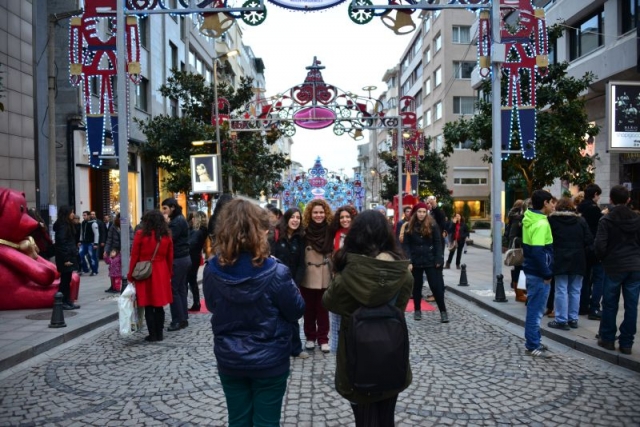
x=181, y=263
x=287, y=246
x=89, y=243
x=537, y=247
x=458, y=233
x=197, y=237
x=369, y=253
x=153, y=242
x=113, y=257
x=514, y=237
x=316, y=219
x=344, y=216
x=571, y=238
x=254, y=301
x=423, y=245
x=66, y=253
x=617, y=245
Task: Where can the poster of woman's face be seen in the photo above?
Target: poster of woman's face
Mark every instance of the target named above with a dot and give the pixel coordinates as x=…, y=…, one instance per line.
x=204, y=173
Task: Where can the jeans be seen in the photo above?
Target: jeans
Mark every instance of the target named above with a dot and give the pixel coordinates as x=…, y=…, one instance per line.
x=567, y=297
x=537, y=294
x=179, y=306
x=597, y=284
x=254, y=402
x=296, y=342
x=88, y=249
x=629, y=283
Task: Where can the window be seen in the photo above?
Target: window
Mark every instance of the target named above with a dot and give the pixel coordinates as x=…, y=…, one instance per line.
x=464, y=105
x=418, y=99
x=470, y=181
x=586, y=36
x=437, y=114
x=192, y=58
x=174, y=56
x=437, y=42
x=436, y=13
x=463, y=145
x=143, y=29
x=417, y=46
x=142, y=95
x=417, y=73
x=427, y=24
x=470, y=176
x=427, y=87
x=437, y=77
x=461, y=34
x=462, y=70
x=427, y=118
x=173, y=107
x=628, y=15
x=427, y=55
x=439, y=142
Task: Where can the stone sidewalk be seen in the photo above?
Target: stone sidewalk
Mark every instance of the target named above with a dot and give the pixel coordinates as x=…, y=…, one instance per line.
x=25, y=333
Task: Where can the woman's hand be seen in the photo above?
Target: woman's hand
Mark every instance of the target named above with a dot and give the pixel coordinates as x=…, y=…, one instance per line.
x=68, y=264
x=410, y=267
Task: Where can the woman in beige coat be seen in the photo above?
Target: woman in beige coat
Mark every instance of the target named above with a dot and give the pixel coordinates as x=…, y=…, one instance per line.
x=318, y=249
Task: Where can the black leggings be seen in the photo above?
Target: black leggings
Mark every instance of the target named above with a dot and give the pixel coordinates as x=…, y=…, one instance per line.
x=458, y=251
x=192, y=280
x=436, y=284
x=65, y=286
x=376, y=414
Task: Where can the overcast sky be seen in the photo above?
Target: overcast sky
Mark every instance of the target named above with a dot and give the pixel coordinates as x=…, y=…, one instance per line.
x=354, y=55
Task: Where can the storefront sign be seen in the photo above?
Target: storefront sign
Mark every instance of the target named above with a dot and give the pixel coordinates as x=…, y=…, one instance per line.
x=623, y=113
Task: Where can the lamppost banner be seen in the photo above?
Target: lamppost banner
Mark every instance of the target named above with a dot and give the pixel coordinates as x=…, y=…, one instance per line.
x=205, y=177
x=623, y=107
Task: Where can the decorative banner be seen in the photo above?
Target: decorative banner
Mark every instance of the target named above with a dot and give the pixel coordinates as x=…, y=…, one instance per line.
x=623, y=114
x=306, y=5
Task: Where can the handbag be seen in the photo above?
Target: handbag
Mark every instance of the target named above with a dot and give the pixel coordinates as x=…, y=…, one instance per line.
x=514, y=256
x=142, y=269
x=453, y=245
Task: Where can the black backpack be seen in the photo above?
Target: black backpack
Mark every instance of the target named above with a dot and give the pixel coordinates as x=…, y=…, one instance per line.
x=377, y=344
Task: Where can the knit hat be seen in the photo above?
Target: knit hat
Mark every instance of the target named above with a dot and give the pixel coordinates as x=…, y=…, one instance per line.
x=418, y=206
x=381, y=209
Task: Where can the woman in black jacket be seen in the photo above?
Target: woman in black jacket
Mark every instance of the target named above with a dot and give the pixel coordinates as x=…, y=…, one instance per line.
x=458, y=233
x=423, y=244
x=514, y=237
x=66, y=251
x=197, y=236
x=287, y=245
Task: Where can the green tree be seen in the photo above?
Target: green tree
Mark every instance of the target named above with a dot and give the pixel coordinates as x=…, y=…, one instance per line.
x=432, y=171
x=247, y=159
x=562, y=124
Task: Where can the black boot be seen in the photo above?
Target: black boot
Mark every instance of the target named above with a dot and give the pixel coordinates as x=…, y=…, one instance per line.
x=195, y=291
x=150, y=317
x=159, y=323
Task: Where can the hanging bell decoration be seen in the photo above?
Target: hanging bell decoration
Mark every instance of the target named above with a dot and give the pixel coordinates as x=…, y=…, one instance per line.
x=216, y=24
x=398, y=20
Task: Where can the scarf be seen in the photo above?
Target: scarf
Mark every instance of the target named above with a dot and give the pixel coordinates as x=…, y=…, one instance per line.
x=316, y=236
x=338, y=240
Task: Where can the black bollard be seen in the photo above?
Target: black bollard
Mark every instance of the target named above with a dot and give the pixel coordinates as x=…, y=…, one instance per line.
x=463, y=275
x=500, y=296
x=57, y=315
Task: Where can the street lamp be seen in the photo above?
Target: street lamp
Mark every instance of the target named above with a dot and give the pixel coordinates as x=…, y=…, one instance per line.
x=229, y=54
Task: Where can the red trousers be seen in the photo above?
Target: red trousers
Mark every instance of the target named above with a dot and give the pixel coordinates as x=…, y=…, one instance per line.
x=316, y=317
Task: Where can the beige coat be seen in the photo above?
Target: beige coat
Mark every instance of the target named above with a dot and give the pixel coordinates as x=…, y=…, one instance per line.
x=318, y=269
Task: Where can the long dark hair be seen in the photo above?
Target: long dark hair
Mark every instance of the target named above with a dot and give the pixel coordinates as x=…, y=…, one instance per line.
x=222, y=200
x=172, y=203
x=283, y=224
x=370, y=234
x=64, y=216
x=154, y=224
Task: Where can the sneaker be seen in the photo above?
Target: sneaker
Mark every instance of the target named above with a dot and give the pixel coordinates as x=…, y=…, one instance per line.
x=310, y=345
x=557, y=325
x=417, y=315
x=596, y=315
x=325, y=348
x=302, y=355
x=573, y=324
x=540, y=352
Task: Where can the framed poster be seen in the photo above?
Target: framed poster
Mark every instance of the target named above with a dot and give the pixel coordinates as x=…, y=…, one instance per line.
x=623, y=115
x=205, y=173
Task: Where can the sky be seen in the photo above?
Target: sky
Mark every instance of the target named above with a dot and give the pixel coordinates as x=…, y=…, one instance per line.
x=354, y=55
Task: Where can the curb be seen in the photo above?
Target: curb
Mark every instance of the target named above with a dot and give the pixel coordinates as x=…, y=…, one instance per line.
x=612, y=357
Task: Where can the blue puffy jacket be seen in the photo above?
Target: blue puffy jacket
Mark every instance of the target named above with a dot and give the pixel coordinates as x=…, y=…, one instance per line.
x=253, y=309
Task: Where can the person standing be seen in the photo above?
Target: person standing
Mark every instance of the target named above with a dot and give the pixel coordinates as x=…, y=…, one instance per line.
x=220, y=203
x=571, y=238
x=103, y=237
x=369, y=253
x=254, y=301
x=197, y=237
x=317, y=219
x=153, y=242
x=617, y=244
x=89, y=243
x=405, y=219
x=514, y=237
x=287, y=246
x=113, y=256
x=537, y=247
x=422, y=244
x=66, y=252
x=458, y=233
x=181, y=263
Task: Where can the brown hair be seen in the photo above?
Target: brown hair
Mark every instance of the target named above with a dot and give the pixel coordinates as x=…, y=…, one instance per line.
x=306, y=216
x=565, y=204
x=424, y=227
x=241, y=227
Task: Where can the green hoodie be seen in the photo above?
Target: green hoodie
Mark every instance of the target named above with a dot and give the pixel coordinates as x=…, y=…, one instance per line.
x=537, y=245
x=370, y=282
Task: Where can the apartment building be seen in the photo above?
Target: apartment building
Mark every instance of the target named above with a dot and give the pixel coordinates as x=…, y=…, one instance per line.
x=602, y=37
x=166, y=42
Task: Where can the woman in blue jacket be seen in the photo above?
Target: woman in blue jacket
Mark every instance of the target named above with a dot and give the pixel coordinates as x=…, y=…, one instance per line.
x=254, y=301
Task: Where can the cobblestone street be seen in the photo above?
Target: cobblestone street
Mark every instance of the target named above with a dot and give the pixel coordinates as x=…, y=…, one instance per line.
x=472, y=371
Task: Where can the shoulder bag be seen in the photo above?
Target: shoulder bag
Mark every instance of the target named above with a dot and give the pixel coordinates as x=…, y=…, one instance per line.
x=142, y=270
x=514, y=256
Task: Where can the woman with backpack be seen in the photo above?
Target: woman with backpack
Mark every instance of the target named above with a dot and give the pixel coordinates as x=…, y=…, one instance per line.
x=287, y=245
x=370, y=272
x=423, y=245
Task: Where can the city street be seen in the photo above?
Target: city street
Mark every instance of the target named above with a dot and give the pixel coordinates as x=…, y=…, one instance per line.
x=472, y=371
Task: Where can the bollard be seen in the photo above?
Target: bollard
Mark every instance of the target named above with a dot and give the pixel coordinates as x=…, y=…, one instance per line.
x=57, y=315
x=463, y=275
x=500, y=296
